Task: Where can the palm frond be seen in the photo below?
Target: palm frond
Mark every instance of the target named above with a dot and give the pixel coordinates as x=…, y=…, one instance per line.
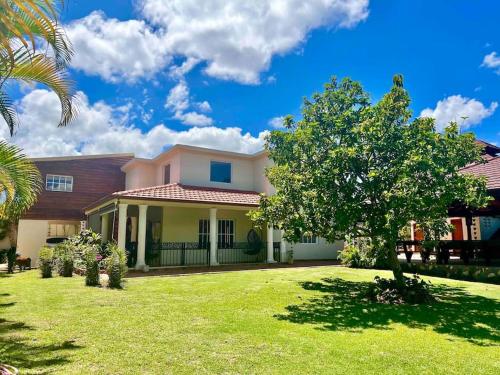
x=29, y=21
x=8, y=112
x=20, y=182
x=43, y=69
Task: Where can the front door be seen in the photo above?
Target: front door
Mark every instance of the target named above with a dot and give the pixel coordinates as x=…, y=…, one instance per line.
x=458, y=230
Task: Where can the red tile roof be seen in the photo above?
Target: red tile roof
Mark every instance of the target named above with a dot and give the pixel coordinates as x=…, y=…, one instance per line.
x=197, y=194
x=491, y=170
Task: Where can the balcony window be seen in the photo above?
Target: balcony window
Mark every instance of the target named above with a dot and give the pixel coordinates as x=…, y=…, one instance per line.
x=220, y=172
x=166, y=174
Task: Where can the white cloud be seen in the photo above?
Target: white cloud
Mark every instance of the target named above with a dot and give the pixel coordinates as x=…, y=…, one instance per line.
x=116, y=50
x=277, y=122
x=178, y=101
x=235, y=38
x=101, y=128
x=238, y=38
x=492, y=61
x=204, y=106
x=457, y=107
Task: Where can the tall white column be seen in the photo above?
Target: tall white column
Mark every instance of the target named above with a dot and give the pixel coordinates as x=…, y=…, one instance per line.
x=104, y=227
x=270, y=244
x=213, y=237
x=283, y=248
x=141, y=237
x=122, y=224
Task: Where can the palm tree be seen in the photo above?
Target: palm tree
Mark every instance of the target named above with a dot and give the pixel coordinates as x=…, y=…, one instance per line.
x=20, y=183
x=34, y=48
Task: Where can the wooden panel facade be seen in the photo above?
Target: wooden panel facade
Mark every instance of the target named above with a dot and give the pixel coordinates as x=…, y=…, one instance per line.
x=93, y=178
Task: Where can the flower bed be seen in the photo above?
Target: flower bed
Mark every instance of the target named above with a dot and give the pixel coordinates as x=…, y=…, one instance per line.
x=458, y=272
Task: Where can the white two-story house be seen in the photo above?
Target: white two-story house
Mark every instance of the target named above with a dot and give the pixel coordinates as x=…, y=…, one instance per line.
x=163, y=210
x=189, y=205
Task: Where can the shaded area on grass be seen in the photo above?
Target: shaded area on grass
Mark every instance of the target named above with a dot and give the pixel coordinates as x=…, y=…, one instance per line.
x=345, y=307
x=22, y=352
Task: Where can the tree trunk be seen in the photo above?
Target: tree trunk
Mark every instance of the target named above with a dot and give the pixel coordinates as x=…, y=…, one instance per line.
x=394, y=264
x=12, y=234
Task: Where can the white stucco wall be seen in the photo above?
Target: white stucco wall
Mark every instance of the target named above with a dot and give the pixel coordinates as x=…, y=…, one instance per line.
x=261, y=183
x=140, y=175
x=175, y=168
x=31, y=236
x=195, y=170
x=318, y=251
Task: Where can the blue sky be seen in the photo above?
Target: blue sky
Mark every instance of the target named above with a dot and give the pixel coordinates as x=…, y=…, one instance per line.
x=247, y=63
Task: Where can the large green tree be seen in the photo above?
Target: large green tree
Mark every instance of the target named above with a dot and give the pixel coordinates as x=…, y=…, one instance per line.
x=350, y=168
x=34, y=48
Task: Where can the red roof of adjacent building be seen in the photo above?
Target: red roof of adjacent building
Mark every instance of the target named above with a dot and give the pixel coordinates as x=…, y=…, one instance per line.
x=194, y=194
x=491, y=169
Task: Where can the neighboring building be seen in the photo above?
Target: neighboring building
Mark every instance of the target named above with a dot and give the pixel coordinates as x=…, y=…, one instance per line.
x=164, y=210
x=70, y=184
x=479, y=224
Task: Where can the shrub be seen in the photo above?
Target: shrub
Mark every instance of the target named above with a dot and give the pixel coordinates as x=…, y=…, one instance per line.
x=46, y=261
x=11, y=259
x=350, y=256
x=63, y=255
x=91, y=263
x=416, y=291
x=116, y=265
x=361, y=253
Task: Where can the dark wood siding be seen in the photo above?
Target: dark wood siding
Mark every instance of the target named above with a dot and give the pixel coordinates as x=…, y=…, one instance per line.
x=93, y=179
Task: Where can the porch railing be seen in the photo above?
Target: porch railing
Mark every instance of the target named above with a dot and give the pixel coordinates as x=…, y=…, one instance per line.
x=477, y=250
x=177, y=254
x=241, y=252
x=195, y=254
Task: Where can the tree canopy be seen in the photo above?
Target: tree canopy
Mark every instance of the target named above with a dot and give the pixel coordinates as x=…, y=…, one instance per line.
x=353, y=168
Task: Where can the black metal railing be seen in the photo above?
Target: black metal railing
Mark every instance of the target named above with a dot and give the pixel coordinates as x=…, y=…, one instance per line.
x=241, y=252
x=177, y=254
x=477, y=250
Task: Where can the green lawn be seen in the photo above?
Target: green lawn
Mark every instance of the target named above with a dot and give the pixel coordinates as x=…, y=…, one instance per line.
x=286, y=321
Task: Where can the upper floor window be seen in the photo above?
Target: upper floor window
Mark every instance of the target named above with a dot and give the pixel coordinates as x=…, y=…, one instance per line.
x=306, y=238
x=220, y=172
x=59, y=183
x=166, y=174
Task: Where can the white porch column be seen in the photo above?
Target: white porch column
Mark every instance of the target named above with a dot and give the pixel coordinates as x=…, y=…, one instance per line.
x=270, y=244
x=122, y=224
x=283, y=248
x=141, y=237
x=213, y=237
x=104, y=227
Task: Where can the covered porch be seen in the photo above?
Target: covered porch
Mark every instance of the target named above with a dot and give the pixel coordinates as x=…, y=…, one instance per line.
x=173, y=225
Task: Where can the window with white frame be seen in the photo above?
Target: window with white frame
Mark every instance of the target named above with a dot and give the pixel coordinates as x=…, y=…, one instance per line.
x=62, y=230
x=54, y=182
x=308, y=238
x=225, y=234
x=203, y=233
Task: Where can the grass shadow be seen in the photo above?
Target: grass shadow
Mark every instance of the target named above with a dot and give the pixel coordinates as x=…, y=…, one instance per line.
x=21, y=351
x=344, y=307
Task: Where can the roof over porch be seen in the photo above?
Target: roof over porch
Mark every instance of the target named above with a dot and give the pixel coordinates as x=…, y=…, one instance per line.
x=183, y=193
